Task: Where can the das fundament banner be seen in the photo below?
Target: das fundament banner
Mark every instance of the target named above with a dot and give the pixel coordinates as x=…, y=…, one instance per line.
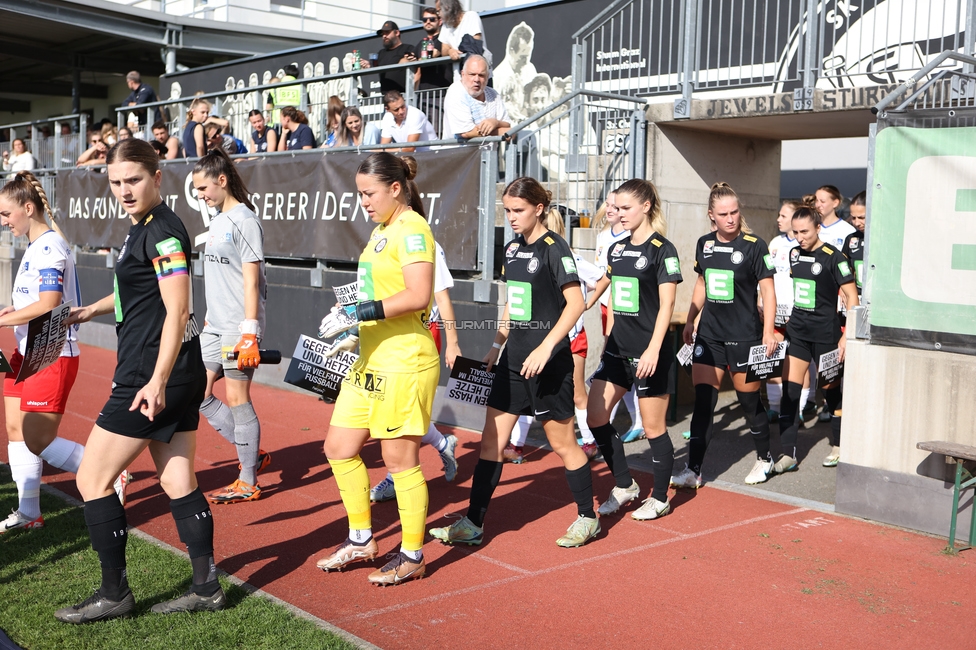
x=307, y=204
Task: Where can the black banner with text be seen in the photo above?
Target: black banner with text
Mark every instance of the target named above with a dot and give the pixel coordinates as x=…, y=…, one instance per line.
x=307, y=204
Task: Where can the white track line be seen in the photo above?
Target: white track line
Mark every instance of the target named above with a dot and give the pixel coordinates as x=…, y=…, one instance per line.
x=531, y=574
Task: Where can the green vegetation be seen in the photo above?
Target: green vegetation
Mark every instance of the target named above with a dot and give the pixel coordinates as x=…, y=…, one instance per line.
x=45, y=569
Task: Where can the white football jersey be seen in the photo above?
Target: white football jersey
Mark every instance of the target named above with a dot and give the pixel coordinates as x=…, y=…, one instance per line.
x=836, y=233
x=47, y=265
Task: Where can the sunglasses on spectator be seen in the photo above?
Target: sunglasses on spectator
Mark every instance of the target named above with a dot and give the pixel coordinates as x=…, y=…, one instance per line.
x=430, y=19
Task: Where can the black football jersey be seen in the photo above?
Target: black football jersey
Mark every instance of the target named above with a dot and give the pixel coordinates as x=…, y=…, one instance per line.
x=854, y=250
x=635, y=272
x=732, y=271
x=817, y=277
x=155, y=249
x=535, y=275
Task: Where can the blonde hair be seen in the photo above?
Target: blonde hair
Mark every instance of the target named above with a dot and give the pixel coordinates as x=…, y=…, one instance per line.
x=554, y=221
x=721, y=191
x=196, y=102
x=601, y=214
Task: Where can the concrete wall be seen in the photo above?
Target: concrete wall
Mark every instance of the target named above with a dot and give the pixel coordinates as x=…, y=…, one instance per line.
x=684, y=163
x=893, y=398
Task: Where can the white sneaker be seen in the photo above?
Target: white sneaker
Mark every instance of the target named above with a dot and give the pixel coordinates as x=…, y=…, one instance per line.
x=686, y=479
x=448, y=459
x=384, y=491
x=121, y=484
x=618, y=497
x=760, y=472
x=651, y=509
x=16, y=520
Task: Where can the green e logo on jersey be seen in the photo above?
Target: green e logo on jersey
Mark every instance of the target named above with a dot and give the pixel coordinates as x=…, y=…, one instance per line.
x=118, y=302
x=519, y=300
x=415, y=244
x=626, y=294
x=768, y=259
x=365, y=279
x=720, y=285
x=569, y=265
x=672, y=266
x=859, y=272
x=169, y=246
x=804, y=293
x=844, y=268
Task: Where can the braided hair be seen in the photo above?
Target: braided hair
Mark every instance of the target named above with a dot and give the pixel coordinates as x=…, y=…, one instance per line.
x=24, y=189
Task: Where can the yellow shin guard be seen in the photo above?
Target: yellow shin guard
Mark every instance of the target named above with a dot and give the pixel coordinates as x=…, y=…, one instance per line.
x=353, y=481
x=411, y=494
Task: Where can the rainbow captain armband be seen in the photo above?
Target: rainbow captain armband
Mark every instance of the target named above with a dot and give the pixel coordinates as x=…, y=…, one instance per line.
x=51, y=280
x=171, y=260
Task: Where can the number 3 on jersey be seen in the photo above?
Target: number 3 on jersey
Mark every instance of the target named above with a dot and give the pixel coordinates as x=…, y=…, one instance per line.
x=626, y=294
x=519, y=300
x=720, y=285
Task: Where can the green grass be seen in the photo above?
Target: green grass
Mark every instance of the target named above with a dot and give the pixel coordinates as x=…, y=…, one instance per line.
x=43, y=570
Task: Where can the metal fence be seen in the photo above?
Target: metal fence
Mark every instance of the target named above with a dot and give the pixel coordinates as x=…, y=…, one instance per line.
x=658, y=48
x=580, y=149
x=44, y=140
x=234, y=103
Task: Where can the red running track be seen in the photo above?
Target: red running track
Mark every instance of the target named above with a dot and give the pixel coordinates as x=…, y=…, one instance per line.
x=723, y=570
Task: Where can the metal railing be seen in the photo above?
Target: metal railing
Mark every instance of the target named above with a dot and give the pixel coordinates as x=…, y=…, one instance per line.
x=945, y=89
x=580, y=148
x=52, y=151
x=658, y=48
x=234, y=104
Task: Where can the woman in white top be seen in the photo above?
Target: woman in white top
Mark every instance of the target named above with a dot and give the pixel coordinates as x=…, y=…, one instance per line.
x=457, y=24
x=20, y=159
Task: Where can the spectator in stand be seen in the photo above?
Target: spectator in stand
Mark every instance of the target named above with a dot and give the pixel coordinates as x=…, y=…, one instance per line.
x=125, y=133
x=471, y=108
x=217, y=136
x=459, y=23
x=285, y=95
x=394, y=51
x=295, y=132
x=110, y=135
x=194, y=138
x=333, y=118
x=20, y=159
x=141, y=94
x=432, y=77
x=171, y=145
x=95, y=154
x=263, y=137
x=403, y=123
x=65, y=129
x=353, y=132
x=159, y=148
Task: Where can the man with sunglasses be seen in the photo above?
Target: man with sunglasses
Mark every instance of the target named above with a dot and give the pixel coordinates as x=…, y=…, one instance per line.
x=431, y=77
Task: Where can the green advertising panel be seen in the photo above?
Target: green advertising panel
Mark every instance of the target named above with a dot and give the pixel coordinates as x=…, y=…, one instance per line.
x=922, y=238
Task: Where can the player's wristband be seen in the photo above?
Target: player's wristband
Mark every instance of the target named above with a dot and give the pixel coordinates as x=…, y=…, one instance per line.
x=497, y=346
x=249, y=326
x=370, y=310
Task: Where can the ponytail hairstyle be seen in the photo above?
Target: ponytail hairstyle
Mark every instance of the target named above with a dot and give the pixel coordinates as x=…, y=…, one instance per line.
x=199, y=101
x=24, y=189
x=215, y=163
x=645, y=192
x=389, y=169
x=554, y=221
x=294, y=115
x=530, y=190
x=724, y=191
x=807, y=209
